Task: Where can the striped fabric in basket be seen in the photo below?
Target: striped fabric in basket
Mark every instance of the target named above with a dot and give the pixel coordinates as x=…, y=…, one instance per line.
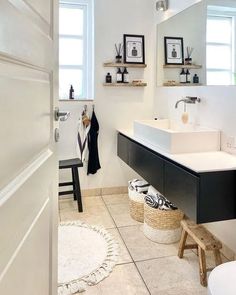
x=156, y=200
x=140, y=186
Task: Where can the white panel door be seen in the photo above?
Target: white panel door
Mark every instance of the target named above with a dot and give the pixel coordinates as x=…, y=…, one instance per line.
x=28, y=174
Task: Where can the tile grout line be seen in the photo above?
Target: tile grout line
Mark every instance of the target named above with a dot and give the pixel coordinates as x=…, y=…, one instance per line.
x=133, y=262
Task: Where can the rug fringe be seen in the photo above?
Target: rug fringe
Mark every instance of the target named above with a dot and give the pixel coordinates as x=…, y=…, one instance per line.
x=78, y=286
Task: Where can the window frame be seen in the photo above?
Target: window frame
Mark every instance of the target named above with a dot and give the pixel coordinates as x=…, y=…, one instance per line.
x=88, y=46
x=216, y=15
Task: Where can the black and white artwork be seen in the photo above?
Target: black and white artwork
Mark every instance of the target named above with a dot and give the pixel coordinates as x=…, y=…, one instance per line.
x=174, y=51
x=134, y=50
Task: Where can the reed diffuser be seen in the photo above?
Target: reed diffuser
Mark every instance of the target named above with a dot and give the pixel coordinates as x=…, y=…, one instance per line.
x=188, y=59
x=118, y=53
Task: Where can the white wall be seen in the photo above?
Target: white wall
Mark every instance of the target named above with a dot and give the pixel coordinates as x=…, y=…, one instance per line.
x=217, y=110
x=115, y=107
x=175, y=6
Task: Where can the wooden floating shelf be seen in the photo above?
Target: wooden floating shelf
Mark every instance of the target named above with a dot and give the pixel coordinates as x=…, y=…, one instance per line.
x=125, y=84
x=182, y=66
x=181, y=84
x=123, y=65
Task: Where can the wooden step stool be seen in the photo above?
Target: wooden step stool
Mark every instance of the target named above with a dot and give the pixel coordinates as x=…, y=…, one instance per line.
x=204, y=241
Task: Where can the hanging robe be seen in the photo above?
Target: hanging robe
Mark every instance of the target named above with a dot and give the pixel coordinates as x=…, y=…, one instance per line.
x=93, y=161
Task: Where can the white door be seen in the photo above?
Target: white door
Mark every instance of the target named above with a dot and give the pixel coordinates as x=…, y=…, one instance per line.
x=28, y=163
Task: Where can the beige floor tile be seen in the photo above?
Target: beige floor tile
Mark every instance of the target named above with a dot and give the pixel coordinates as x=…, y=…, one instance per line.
x=116, y=199
x=121, y=216
x=102, y=218
x=172, y=276
x=67, y=204
x=188, y=289
x=90, y=204
x=114, y=190
x=91, y=192
x=124, y=256
x=94, y=212
x=142, y=248
x=94, y=205
x=91, y=290
x=124, y=280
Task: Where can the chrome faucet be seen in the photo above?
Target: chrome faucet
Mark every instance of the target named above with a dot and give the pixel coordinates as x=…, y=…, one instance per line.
x=188, y=99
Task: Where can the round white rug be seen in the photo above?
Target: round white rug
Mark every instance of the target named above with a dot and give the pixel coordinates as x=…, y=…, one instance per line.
x=86, y=255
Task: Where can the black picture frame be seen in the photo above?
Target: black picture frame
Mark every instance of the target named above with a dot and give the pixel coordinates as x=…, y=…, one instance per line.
x=134, y=49
x=174, y=50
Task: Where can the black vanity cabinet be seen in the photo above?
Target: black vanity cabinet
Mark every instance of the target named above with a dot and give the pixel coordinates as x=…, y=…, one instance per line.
x=217, y=196
x=204, y=197
x=147, y=164
x=123, y=148
x=181, y=188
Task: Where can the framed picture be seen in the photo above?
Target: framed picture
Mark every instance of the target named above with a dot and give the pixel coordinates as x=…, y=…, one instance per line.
x=174, y=51
x=134, y=49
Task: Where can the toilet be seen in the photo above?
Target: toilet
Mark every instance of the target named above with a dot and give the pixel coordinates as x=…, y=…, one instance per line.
x=222, y=280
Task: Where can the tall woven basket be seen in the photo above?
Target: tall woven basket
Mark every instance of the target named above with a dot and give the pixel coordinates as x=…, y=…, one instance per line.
x=162, y=226
x=136, y=205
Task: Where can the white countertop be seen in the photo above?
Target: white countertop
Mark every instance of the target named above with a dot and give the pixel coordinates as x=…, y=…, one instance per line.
x=198, y=162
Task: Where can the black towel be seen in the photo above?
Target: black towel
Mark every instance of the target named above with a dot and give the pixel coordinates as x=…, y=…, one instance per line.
x=93, y=161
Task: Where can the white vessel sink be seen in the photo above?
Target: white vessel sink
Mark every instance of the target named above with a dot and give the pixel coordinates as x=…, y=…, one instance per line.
x=177, y=138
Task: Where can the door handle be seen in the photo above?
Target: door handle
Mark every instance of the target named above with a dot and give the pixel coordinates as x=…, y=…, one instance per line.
x=62, y=116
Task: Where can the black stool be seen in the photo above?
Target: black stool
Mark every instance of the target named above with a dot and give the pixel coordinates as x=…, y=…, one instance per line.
x=72, y=164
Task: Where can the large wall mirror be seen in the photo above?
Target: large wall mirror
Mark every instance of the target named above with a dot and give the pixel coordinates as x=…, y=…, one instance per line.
x=209, y=27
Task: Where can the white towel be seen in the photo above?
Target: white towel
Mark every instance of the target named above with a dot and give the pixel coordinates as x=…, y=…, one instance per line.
x=156, y=200
x=141, y=186
x=152, y=191
x=82, y=139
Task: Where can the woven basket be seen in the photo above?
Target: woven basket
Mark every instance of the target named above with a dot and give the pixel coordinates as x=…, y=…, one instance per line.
x=136, y=205
x=162, y=226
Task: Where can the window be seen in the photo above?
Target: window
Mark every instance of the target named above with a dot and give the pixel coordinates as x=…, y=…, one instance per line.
x=220, y=49
x=76, y=48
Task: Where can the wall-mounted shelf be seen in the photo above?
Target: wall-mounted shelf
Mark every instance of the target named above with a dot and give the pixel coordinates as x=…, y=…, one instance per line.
x=181, y=84
x=125, y=84
x=182, y=66
x=123, y=65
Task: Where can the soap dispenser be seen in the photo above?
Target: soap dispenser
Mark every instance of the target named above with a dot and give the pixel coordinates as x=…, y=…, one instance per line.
x=119, y=76
x=125, y=76
x=182, y=76
x=188, y=77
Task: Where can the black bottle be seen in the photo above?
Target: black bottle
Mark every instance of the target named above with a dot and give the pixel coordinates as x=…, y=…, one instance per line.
x=108, y=78
x=125, y=76
x=119, y=76
x=195, y=79
x=188, y=77
x=72, y=93
x=182, y=77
